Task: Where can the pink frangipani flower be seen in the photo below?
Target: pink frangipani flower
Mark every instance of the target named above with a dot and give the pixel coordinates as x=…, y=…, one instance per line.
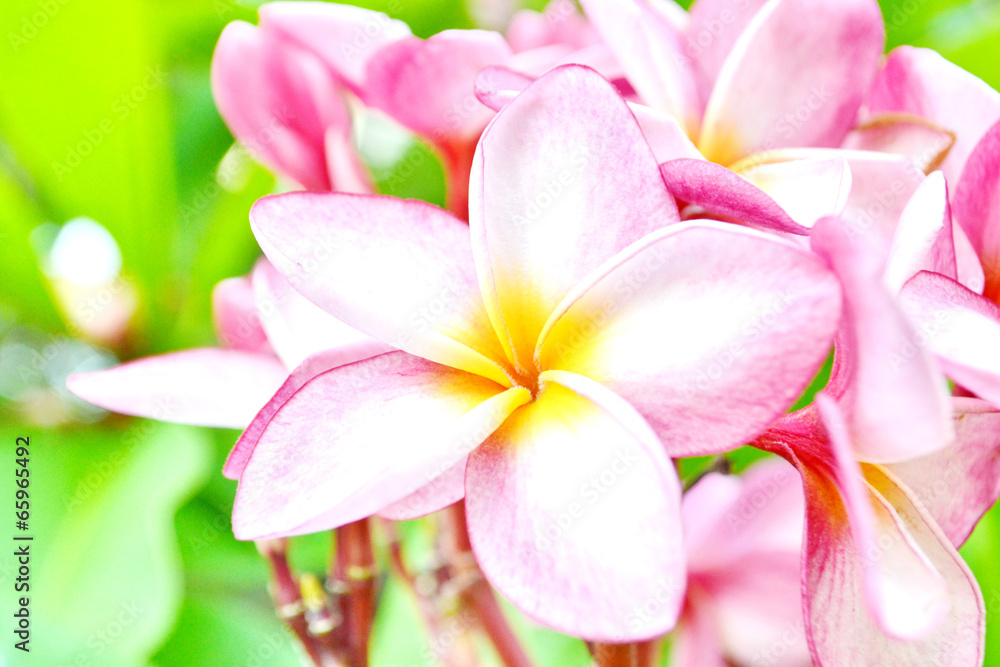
x=743, y=537
x=558, y=349
x=883, y=583
x=284, y=103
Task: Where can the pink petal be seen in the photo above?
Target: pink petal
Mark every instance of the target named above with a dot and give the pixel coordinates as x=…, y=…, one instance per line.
x=959, y=640
x=496, y=86
x=922, y=83
x=895, y=397
x=573, y=513
x=445, y=489
x=919, y=140
x=715, y=27
x=345, y=37
x=727, y=518
x=959, y=484
x=977, y=207
x=297, y=328
x=863, y=563
x=560, y=24
x=795, y=77
x=696, y=640
x=400, y=271
x=961, y=328
x=757, y=605
x=970, y=269
x=720, y=191
x=923, y=237
x=881, y=187
x=359, y=437
x=744, y=563
x=554, y=193
x=278, y=101
x=205, y=386
x=237, y=322
x=808, y=189
x=304, y=373
x=665, y=135
x=344, y=164
x=709, y=329
x=651, y=51
x=428, y=85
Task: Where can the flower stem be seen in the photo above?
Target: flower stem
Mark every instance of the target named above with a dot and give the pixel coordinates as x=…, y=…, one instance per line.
x=457, y=160
x=354, y=578
x=288, y=599
x=476, y=593
x=636, y=654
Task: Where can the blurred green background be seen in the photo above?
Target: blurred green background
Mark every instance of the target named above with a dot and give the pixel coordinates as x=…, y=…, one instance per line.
x=106, y=114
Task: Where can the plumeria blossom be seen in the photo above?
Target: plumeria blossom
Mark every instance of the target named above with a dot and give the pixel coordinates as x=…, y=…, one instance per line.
x=744, y=543
x=266, y=329
x=558, y=349
x=288, y=105
x=883, y=583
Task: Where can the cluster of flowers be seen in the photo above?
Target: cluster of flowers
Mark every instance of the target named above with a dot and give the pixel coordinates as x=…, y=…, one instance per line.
x=659, y=226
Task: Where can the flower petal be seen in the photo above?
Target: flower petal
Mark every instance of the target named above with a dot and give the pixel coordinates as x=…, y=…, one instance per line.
x=959, y=484
x=205, y=386
x=960, y=327
x=977, y=207
x=709, y=329
x=795, y=77
x=923, y=238
x=758, y=608
x=304, y=373
x=237, y=322
x=496, y=86
x=554, y=193
x=879, y=187
x=715, y=26
x=895, y=396
x=720, y=191
x=863, y=562
x=429, y=85
x=808, y=189
x=921, y=141
x=279, y=102
x=297, y=328
x=652, y=52
x=960, y=639
x=922, y=83
x=560, y=24
x=727, y=518
x=445, y=489
x=344, y=164
x=397, y=270
x=574, y=515
x=696, y=640
x=345, y=37
x=360, y=437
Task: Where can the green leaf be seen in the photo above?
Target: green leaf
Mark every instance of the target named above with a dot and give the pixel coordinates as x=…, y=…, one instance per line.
x=94, y=140
x=106, y=578
x=220, y=628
